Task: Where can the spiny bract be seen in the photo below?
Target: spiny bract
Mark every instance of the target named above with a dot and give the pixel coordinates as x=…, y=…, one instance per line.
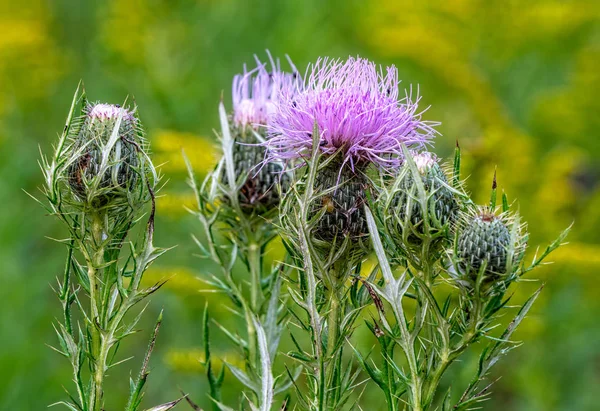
x=260, y=192
x=484, y=239
x=344, y=205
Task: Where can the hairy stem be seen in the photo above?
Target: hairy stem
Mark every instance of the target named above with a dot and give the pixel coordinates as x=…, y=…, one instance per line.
x=94, y=272
x=254, y=263
x=333, y=321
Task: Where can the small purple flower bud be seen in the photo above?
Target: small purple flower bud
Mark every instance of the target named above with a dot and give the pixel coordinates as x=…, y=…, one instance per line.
x=255, y=97
x=256, y=93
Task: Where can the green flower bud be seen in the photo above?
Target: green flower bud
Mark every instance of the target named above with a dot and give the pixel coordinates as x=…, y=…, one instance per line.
x=484, y=238
x=407, y=216
x=106, y=160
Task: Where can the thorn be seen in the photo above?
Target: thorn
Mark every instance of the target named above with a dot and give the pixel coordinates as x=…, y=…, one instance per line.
x=189, y=401
x=152, y=213
x=457, y=145
x=494, y=184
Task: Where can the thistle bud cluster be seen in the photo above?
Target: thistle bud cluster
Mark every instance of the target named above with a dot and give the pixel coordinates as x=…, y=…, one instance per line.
x=337, y=164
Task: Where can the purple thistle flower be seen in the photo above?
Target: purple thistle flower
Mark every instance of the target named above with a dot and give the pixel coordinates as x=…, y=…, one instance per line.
x=255, y=98
x=356, y=109
x=256, y=92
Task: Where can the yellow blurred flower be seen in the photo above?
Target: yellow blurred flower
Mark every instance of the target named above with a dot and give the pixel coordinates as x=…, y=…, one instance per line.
x=168, y=146
x=30, y=61
x=191, y=360
x=175, y=205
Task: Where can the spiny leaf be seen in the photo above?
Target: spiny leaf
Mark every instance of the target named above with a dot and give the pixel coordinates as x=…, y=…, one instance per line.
x=166, y=406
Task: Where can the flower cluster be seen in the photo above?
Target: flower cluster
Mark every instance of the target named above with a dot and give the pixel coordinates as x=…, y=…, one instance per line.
x=337, y=166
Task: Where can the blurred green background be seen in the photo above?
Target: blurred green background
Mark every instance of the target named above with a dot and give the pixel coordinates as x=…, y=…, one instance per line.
x=515, y=82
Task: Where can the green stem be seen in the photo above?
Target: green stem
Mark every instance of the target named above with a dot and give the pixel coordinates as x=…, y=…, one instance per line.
x=388, y=352
x=416, y=383
x=254, y=263
x=333, y=332
x=408, y=346
x=333, y=321
x=255, y=266
x=252, y=351
x=106, y=342
x=449, y=355
x=95, y=327
x=434, y=381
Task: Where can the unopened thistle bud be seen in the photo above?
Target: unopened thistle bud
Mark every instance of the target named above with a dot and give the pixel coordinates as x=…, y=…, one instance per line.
x=407, y=202
x=255, y=95
x=485, y=238
x=106, y=157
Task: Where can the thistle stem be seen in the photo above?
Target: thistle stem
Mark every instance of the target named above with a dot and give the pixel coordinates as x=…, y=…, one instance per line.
x=332, y=321
x=255, y=266
x=106, y=342
x=98, y=340
x=450, y=354
x=254, y=263
x=416, y=383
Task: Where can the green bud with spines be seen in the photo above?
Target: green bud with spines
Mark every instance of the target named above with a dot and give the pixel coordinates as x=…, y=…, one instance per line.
x=105, y=164
x=490, y=245
x=419, y=206
x=90, y=181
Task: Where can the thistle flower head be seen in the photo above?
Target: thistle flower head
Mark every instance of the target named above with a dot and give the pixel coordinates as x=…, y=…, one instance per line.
x=256, y=92
x=106, y=163
x=255, y=96
x=357, y=110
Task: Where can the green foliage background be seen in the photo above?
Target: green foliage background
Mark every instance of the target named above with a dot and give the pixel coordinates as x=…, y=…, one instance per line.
x=515, y=82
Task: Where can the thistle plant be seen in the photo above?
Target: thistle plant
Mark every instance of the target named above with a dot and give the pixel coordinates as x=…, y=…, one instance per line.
x=337, y=166
x=238, y=204
x=346, y=125
x=444, y=286
x=99, y=182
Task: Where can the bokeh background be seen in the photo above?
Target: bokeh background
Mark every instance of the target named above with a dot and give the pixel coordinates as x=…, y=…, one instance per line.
x=515, y=82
